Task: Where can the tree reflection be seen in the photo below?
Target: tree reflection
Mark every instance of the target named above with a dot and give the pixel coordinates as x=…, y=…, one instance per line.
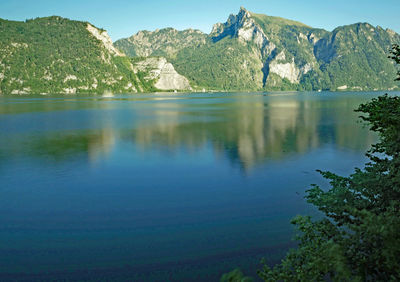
x=247, y=130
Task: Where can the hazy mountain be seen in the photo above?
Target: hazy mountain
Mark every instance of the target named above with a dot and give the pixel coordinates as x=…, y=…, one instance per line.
x=259, y=52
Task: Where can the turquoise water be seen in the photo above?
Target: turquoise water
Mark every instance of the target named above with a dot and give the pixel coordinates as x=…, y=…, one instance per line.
x=164, y=187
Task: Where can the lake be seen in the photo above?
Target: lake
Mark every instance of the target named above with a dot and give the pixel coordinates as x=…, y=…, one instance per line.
x=164, y=187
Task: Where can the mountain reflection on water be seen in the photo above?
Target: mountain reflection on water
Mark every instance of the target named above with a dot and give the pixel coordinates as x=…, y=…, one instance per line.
x=156, y=187
x=246, y=129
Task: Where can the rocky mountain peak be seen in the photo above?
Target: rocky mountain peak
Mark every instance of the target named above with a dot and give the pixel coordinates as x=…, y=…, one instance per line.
x=243, y=27
x=234, y=23
x=243, y=13
x=240, y=18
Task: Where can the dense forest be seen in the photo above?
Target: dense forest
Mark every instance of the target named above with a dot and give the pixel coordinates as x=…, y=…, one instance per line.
x=57, y=55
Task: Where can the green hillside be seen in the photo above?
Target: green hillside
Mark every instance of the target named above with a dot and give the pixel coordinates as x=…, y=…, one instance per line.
x=267, y=21
x=224, y=65
x=356, y=56
x=57, y=55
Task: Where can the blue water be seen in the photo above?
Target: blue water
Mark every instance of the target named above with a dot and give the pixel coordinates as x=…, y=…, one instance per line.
x=164, y=187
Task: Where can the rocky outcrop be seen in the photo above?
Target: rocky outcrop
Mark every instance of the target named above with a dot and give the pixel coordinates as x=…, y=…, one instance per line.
x=161, y=42
x=103, y=36
x=163, y=73
x=284, y=69
x=245, y=29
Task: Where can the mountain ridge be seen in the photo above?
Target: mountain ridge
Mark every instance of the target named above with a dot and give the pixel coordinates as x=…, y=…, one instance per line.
x=58, y=55
x=249, y=52
x=294, y=56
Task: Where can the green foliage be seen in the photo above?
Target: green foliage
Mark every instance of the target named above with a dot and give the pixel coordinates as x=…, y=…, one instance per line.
x=147, y=85
x=235, y=276
x=358, y=238
x=356, y=56
x=276, y=83
x=395, y=55
x=264, y=21
x=50, y=55
x=224, y=65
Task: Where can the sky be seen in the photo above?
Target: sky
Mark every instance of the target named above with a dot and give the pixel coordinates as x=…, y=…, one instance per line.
x=123, y=18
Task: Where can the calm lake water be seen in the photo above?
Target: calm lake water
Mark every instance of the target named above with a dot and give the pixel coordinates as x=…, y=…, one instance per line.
x=164, y=187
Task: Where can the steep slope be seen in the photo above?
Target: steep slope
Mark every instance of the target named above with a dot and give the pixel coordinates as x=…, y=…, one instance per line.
x=355, y=57
x=57, y=55
x=223, y=65
x=291, y=52
x=220, y=65
x=163, y=73
x=259, y=52
x=296, y=56
x=165, y=42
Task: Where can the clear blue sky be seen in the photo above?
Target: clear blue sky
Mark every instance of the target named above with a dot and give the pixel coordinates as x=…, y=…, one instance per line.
x=122, y=18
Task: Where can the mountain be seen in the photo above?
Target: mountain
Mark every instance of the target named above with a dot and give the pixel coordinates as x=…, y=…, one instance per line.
x=248, y=52
x=162, y=42
x=58, y=55
x=259, y=52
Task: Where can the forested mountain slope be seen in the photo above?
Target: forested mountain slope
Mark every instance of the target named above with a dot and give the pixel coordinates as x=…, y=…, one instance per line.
x=58, y=55
x=259, y=52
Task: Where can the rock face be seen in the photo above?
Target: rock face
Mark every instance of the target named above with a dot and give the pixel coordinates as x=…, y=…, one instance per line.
x=105, y=38
x=284, y=70
x=288, y=55
x=163, y=73
x=161, y=42
x=245, y=29
x=276, y=58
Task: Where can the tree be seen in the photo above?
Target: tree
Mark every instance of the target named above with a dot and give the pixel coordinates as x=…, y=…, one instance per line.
x=395, y=55
x=358, y=239
x=235, y=276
